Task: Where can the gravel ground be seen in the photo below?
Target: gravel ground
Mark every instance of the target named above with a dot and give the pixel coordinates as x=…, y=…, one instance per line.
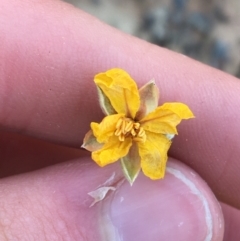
x=206, y=30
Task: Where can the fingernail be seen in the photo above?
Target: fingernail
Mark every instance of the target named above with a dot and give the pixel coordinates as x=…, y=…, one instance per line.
x=179, y=207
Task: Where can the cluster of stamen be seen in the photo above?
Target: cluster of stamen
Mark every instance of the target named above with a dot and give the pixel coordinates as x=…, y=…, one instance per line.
x=126, y=127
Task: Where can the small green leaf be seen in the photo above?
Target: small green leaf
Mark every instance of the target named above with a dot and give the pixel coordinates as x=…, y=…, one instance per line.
x=170, y=136
x=149, y=95
x=90, y=142
x=131, y=164
x=105, y=104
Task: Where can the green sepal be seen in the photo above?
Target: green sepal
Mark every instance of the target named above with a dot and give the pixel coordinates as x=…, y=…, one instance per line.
x=149, y=95
x=90, y=142
x=105, y=103
x=170, y=136
x=131, y=164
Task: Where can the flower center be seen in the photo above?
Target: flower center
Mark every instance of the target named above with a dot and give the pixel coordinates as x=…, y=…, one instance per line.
x=126, y=127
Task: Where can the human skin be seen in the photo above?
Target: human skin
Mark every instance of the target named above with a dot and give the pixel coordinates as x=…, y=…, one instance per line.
x=49, y=53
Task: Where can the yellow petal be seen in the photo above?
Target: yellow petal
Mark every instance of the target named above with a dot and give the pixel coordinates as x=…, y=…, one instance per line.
x=180, y=109
x=149, y=95
x=166, y=117
x=161, y=121
x=121, y=90
x=112, y=151
x=106, y=128
x=90, y=142
x=153, y=155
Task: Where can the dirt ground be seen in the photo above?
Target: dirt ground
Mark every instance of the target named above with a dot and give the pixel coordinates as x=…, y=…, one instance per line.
x=206, y=30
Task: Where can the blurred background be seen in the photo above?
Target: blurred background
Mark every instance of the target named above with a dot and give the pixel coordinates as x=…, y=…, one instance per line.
x=206, y=30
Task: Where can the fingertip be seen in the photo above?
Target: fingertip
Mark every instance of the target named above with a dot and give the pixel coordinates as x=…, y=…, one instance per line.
x=179, y=207
x=232, y=220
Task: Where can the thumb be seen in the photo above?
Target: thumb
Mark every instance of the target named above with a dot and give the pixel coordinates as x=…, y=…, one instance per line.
x=53, y=204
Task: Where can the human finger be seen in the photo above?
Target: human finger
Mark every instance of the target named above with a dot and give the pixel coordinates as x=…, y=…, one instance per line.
x=19, y=153
x=232, y=221
x=47, y=89
x=53, y=204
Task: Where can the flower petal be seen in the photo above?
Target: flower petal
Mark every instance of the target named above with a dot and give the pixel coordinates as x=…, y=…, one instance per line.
x=180, y=109
x=166, y=117
x=112, y=151
x=131, y=164
x=106, y=128
x=105, y=103
x=149, y=95
x=90, y=142
x=161, y=121
x=121, y=90
x=153, y=155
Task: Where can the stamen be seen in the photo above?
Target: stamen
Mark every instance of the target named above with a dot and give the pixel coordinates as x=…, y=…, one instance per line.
x=133, y=132
x=129, y=126
x=121, y=137
x=136, y=125
x=123, y=127
x=141, y=132
x=119, y=123
x=118, y=132
x=126, y=127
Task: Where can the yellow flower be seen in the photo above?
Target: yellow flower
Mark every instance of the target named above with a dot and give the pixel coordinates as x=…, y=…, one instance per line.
x=135, y=130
